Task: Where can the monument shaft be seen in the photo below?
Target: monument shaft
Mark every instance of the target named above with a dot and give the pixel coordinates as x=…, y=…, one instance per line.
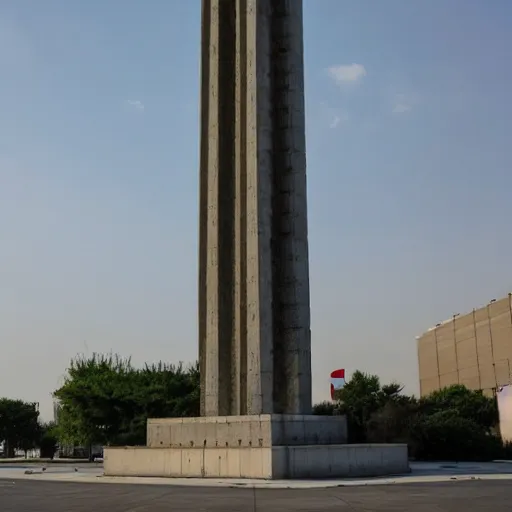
x=254, y=306
x=254, y=319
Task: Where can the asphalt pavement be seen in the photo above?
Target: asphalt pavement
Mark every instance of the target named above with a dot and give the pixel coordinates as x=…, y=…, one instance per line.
x=458, y=496
x=430, y=487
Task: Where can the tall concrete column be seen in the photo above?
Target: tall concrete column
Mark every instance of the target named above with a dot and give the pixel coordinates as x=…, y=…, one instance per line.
x=254, y=319
x=254, y=313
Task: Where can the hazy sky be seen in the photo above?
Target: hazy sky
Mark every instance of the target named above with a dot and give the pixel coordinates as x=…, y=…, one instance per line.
x=409, y=165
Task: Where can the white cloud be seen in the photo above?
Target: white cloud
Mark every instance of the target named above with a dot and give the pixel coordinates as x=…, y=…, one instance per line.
x=347, y=74
x=401, y=108
x=335, y=122
x=333, y=117
x=404, y=103
x=337, y=118
x=136, y=104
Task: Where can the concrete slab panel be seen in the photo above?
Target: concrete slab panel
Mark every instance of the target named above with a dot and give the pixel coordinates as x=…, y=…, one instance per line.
x=280, y=462
x=264, y=430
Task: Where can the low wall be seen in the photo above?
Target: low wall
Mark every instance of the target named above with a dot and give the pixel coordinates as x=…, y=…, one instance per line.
x=341, y=461
x=281, y=462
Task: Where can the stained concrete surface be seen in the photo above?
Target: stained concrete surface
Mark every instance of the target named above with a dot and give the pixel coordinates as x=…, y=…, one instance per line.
x=32, y=496
x=269, y=463
x=254, y=299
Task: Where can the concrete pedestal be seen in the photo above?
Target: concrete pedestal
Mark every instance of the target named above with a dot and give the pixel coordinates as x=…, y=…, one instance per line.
x=265, y=446
x=257, y=431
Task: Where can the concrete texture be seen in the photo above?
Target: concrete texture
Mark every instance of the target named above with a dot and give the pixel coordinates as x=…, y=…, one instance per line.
x=477, y=496
x=261, y=431
x=254, y=300
x=264, y=446
x=281, y=462
x=474, y=349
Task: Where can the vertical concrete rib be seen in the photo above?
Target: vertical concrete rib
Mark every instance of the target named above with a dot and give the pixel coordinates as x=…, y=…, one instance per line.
x=259, y=209
x=226, y=201
x=292, y=350
x=203, y=192
x=212, y=348
x=217, y=191
x=239, y=393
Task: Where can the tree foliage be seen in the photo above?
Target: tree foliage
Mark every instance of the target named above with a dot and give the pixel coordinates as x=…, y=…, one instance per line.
x=448, y=435
x=106, y=400
x=469, y=404
x=325, y=409
x=454, y=423
x=19, y=426
x=48, y=440
x=367, y=404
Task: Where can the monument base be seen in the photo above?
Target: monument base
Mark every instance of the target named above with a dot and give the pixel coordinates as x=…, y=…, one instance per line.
x=263, y=447
x=280, y=462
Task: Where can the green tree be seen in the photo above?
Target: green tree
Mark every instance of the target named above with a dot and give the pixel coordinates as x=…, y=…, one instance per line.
x=48, y=440
x=106, y=400
x=19, y=426
x=470, y=404
x=454, y=423
x=363, y=399
x=449, y=435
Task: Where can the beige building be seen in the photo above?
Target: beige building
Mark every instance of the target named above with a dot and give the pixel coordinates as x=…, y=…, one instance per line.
x=473, y=349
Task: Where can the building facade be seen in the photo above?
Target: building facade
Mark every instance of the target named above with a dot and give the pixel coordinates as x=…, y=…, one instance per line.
x=473, y=349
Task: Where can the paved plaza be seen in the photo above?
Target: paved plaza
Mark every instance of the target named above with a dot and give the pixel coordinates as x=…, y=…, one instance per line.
x=46, y=496
x=446, y=487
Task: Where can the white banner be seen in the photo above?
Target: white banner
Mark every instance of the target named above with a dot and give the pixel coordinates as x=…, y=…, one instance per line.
x=504, y=396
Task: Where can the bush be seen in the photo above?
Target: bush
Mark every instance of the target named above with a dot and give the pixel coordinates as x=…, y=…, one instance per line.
x=506, y=451
x=446, y=435
x=48, y=441
x=325, y=409
x=469, y=404
x=390, y=424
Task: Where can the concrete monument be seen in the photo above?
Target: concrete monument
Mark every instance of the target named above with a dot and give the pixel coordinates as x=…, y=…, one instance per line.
x=254, y=321
x=254, y=306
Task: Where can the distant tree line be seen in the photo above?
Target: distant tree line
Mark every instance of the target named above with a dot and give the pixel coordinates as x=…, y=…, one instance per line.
x=106, y=400
x=21, y=429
